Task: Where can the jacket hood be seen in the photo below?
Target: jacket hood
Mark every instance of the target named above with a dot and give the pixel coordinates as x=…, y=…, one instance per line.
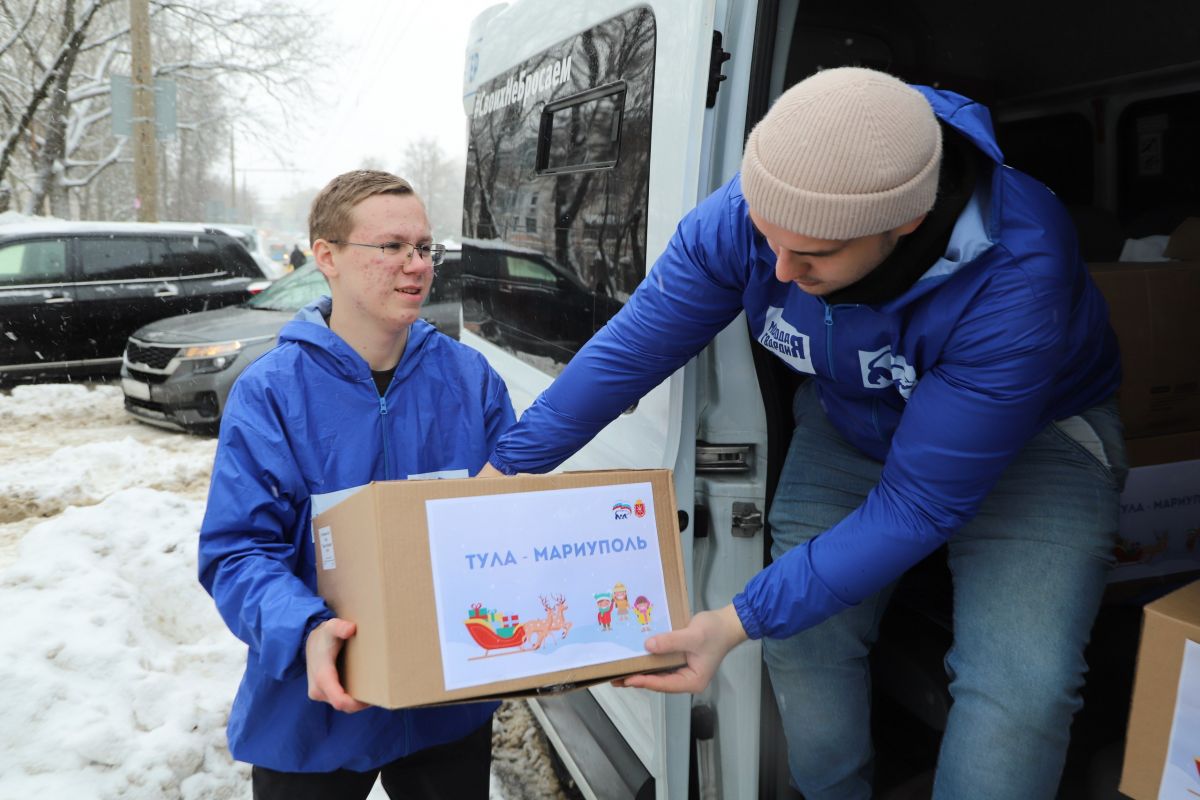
x=310, y=329
x=966, y=116
x=976, y=228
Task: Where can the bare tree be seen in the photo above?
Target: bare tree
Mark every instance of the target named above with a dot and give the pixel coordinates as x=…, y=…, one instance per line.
x=49, y=75
x=56, y=65
x=438, y=179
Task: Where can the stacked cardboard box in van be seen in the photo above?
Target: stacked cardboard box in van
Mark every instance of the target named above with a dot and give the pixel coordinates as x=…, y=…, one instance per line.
x=1153, y=310
x=1162, y=751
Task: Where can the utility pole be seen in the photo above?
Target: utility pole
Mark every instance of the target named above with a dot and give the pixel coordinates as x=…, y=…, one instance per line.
x=232, y=178
x=145, y=146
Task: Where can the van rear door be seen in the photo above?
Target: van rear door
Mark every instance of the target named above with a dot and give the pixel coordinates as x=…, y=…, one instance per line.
x=585, y=129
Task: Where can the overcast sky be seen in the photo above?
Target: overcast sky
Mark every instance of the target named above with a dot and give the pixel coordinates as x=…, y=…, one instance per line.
x=395, y=75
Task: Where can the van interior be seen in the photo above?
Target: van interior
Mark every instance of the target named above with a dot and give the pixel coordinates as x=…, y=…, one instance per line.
x=1101, y=102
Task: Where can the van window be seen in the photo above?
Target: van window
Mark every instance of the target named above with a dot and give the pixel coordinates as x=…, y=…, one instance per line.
x=558, y=167
x=1158, y=163
x=116, y=258
x=41, y=261
x=581, y=132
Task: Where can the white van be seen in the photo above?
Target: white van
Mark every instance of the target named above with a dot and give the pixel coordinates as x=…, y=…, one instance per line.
x=594, y=127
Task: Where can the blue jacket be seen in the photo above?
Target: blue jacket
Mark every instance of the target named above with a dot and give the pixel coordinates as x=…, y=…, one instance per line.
x=944, y=384
x=304, y=419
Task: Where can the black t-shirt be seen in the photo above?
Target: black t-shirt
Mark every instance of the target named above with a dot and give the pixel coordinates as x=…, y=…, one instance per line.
x=383, y=378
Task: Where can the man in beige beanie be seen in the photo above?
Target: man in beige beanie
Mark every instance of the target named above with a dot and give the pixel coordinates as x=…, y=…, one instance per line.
x=960, y=372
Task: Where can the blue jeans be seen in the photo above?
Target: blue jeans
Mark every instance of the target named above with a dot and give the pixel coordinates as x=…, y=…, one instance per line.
x=1028, y=572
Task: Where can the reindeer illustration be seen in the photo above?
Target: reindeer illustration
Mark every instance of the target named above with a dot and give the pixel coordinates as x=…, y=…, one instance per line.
x=555, y=621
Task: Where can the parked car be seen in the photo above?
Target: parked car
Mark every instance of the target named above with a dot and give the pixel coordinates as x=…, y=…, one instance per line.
x=525, y=301
x=252, y=240
x=177, y=372
x=72, y=292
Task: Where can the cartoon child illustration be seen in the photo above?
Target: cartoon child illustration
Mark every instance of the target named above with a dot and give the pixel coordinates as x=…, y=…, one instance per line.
x=641, y=610
x=621, y=601
x=604, y=610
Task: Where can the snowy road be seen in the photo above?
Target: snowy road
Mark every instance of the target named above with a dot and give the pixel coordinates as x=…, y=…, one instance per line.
x=118, y=669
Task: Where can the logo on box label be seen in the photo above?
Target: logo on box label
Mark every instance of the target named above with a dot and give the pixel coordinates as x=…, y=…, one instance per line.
x=639, y=508
x=622, y=510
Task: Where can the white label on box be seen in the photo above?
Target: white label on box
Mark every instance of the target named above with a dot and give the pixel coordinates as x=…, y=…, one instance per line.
x=1160, y=521
x=440, y=475
x=1181, y=773
x=535, y=582
x=325, y=542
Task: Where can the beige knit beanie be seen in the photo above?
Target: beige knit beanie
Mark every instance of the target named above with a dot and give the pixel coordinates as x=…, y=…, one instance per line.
x=846, y=152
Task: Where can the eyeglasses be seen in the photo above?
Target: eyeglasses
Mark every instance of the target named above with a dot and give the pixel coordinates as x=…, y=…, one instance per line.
x=435, y=254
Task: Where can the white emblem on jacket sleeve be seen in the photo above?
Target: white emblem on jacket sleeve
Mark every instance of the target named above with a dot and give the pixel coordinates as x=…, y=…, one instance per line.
x=783, y=340
x=881, y=369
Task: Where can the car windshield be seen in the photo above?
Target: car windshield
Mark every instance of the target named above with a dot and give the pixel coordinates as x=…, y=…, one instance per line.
x=293, y=291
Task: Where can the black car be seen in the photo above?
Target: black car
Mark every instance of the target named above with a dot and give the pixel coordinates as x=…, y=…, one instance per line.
x=72, y=292
x=521, y=299
x=177, y=372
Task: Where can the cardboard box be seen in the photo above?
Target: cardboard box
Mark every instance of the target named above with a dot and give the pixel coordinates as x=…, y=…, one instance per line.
x=1160, y=522
x=482, y=588
x=1162, y=746
x=1147, y=450
x=1184, y=243
x=1153, y=310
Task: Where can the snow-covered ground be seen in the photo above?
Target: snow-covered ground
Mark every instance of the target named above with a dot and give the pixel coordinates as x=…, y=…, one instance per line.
x=117, y=669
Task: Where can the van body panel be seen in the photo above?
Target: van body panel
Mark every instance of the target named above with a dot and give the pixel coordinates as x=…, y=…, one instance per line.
x=583, y=219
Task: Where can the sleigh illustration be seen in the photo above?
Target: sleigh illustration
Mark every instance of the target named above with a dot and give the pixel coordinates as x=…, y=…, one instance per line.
x=493, y=631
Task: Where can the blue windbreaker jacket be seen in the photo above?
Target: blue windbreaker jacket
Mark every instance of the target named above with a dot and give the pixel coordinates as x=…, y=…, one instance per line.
x=305, y=419
x=944, y=384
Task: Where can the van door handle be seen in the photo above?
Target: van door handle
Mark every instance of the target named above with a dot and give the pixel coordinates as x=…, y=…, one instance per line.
x=53, y=298
x=166, y=291
x=747, y=520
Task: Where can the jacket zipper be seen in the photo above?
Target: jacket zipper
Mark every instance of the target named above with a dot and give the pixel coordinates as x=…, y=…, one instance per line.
x=829, y=340
x=387, y=460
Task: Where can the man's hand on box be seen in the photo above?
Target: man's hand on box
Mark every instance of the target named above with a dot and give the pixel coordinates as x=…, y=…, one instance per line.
x=321, y=651
x=489, y=471
x=705, y=641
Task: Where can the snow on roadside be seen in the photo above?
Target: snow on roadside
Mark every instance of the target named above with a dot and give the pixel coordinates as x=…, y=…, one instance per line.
x=86, y=474
x=120, y=671
x=125, y=669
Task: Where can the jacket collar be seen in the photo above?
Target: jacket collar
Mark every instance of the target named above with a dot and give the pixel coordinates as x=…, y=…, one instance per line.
x=310, y=329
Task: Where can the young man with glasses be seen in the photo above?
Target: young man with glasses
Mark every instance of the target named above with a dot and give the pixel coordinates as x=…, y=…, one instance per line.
x=358, y=389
